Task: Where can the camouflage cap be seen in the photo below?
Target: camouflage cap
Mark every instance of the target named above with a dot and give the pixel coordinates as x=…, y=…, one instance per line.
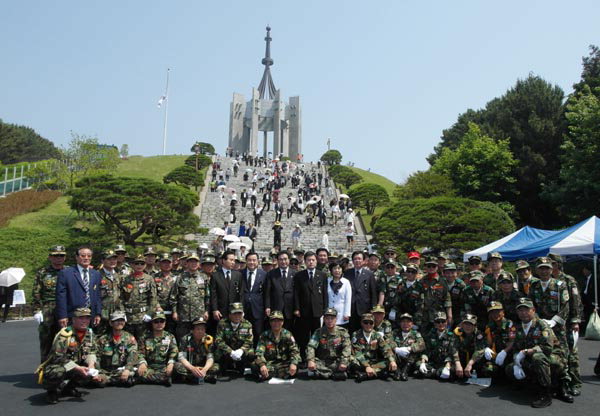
x=57, y=251
x=450, y=266
x=378, y=309
x=443, y=255
x=405, y=316
x=367, y=317
x=331, y=312
x=525, y=303
x=555, y=258
x=276, y=315
x=470, y=319
x=241, y=260
x=391, y=263
x=266, y=261
x=495, y=306
x=294, y=260
x=440, y=316
x=475, y=275
x=193, y=256
x=116, y=315
x=236, y=307
x=208, y=258
x=298, y=251
x=176, y=250
x=165, y=257
x=149, y=250
x=495, y=255
x=82, y=312
x=120, y=248
x=139, y=259
x=412, y=267
x=504, y=277
x=199, y=321
x=431, y=260
x=334, y=256
x=159, y=314
x=390, y=249
x=522, y=264
x=474, y=259
x=375, y=255
x=108, y=254
x=544, y=262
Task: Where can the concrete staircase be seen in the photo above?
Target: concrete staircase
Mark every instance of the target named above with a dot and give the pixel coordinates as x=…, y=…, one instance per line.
x=213, y=214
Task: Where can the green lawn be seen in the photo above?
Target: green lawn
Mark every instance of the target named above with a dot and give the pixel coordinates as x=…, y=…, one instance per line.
x=24, y=242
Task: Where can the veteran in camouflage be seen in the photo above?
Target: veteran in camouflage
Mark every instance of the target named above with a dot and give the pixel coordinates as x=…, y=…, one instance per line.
x=382, y=325
x=117, y=353
x=388, y=281
x=158, y=353
x=440, y=356
x=138, y=297
x=196, y=356
x=498, y=338
x=329, y=352
x=476, y=298
x=410, y=295
x=373, y=356
x=436, y=297
x=109, y=289
x=470, y=345
x=234, y=340
x=408, y=344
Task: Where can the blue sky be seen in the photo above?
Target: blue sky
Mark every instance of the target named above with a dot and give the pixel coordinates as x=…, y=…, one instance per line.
x=382, y=79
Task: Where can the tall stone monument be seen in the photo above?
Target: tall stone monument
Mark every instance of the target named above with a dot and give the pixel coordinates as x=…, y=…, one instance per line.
x=266, y=112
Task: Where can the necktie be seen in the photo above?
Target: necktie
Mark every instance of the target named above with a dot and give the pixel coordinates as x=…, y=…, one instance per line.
x=250, y=280
x=283, y=274
x=86, y=286
x=310, y=275
x=357, y=273
x=228, y=275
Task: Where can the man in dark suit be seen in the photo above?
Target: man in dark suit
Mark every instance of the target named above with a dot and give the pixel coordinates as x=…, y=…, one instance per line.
x=225, y=286
x=310, y=300
x=78, y=287
x=587, y=288
x=253, y=283
x=364, y=289
x=279, y=290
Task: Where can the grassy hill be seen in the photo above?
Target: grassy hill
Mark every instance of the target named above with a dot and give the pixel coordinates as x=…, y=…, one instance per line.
x=25, y=241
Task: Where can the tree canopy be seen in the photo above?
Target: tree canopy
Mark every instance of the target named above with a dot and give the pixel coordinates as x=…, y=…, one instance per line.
x=204, y=148
x=184, y=175
x=425, y=184
x=441, y=223
x=332, y=157
x=23, y=144
x=347, y=178
x=368, y=196
x=203, y=161
x=132, y=208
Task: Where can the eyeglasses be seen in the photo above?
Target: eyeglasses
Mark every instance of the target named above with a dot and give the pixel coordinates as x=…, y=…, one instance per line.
x=159, y=321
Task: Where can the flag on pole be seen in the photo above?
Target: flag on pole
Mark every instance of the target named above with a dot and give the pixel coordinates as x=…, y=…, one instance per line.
x=161, y=100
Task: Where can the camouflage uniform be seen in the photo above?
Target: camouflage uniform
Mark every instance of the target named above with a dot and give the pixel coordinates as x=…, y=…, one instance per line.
x=477, y=304
x=553, y=304
x=509, y=303
x=439, y=350
x=329, y=351
x=229, y=339
x=497, y=337
x=190, y=298
x=414, y=341
x=116, y=356
x=575, y=313
x=456, y=291
x=197, y=355
x=436, y=298
x=124, y=270
x=471, y=346
x=389, y=287
x=44, y=300
x=375, y=353
x=138, y=297
x=276, y=354
x=385, y=329
x=524, y=286
x=491, y=281
x=67, y=353
x=109, y=294
x=163, y=290
x=157, y=353
x=410, y=300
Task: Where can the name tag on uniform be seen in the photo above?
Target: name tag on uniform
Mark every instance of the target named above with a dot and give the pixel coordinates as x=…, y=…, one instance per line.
x=199, y=280
x=166, y=341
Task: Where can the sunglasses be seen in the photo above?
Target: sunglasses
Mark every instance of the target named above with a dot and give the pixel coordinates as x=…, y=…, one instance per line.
x=138, y=263
x=440, y=322
x=159, y=321
x=390, y=267
x=431, y=265
x=58, y=255
x=368, y=322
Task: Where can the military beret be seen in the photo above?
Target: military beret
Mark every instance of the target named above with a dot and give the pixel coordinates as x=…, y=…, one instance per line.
x=331, y=312
x=525, y=302
x=495, y=255
x=116, y=315
x=544, y=262
x=367, y=317
x=440, y=316
x=276, y=315
x=378, y=309
x=57, y=251
x=495, y=306
x=199, y=321
x=82, y=312
x=449, y=266
x=236, y=307
x=522, y=264
x=469, y=318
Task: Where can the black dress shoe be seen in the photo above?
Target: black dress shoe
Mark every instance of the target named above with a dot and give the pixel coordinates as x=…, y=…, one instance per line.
x=339, y=376
x=360, y=377
x=71, y=392
x=168, y=382
x=573, y=391
x=52, y=397
x=543, y=399
x=564, y=395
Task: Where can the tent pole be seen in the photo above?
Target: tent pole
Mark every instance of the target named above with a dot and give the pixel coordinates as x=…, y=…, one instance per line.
x=596, y=282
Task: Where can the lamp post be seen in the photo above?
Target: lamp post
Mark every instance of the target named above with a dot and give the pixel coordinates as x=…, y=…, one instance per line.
x=197, y=151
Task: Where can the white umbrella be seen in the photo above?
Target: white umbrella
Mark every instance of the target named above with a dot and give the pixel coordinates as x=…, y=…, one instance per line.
x=231, y=237
x=249, y=170
x=344, y=196
x=237, y=245
x=316, y=198
x=217, y=231
x=246, y=240
x=11, y=276
x=311, y=202
x=220, y=187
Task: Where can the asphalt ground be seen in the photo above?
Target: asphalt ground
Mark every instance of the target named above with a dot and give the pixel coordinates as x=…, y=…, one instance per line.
x=20, y=395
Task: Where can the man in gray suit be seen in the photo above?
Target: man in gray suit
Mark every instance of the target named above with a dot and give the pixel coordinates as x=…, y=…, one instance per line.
x=364, y=289
x=253, y=284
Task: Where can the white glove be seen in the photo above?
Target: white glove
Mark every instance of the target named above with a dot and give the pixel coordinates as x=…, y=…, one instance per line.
x=518, y=372
x=236, y=355
x=147, y=318
x=423, y=368
x=488, y=353
x=39, y=317
x=500, y=358
x=92, y=372
x=404, y=352
x=550, y=322
x=519, y=358
x=445, y=373
x=575, y=337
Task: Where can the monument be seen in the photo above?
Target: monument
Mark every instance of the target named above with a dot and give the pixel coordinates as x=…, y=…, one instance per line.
x=266, y=112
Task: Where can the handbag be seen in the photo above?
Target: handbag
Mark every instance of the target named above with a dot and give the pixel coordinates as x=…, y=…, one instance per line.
x=592, y=330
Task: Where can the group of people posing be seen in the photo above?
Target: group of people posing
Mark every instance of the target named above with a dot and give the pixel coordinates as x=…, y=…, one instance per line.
x=200, y=317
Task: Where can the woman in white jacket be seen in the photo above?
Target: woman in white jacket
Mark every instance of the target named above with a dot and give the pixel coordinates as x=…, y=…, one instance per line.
x=340, y=294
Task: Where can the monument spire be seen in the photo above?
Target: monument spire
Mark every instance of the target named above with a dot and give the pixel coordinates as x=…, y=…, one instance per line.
x=266, y=86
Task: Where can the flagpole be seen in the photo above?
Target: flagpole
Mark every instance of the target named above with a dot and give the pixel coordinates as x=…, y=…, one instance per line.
x=166, y=114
